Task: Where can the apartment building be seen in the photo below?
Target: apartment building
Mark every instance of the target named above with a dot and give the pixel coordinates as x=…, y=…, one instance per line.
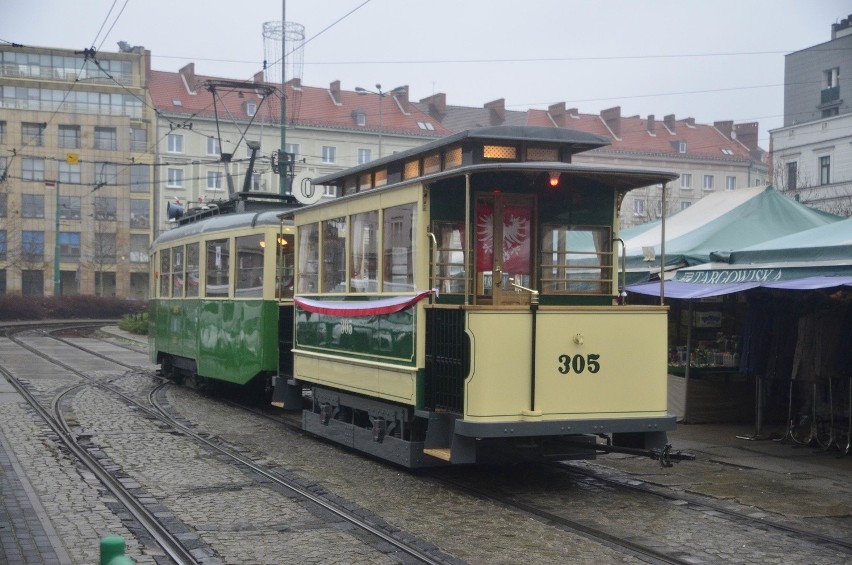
x=812, y=152
x=202, y=118
x=75, y=164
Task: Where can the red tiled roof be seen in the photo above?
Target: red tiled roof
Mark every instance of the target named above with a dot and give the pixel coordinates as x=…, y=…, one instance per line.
x=306, y=105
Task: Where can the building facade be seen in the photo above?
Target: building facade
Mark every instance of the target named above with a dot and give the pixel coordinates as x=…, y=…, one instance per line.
x=75, y=164
x=200, y=118
x=812, y=153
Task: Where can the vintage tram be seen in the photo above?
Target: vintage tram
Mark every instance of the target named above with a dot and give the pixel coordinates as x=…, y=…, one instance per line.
x=456, y=303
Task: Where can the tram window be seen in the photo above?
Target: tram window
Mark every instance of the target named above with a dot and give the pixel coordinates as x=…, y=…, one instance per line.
x=177, y=272
x=192, y=256
x=363, y=259
x=165, y=272
x=284, y=267
x=334, y=255
x=399, y=248
x=576, y=260
x=449, y=269
x=308, y=258
x=250, y=250
x=218, y=268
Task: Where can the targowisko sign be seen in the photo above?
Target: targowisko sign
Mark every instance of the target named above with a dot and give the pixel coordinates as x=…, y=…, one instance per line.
x=730, y=276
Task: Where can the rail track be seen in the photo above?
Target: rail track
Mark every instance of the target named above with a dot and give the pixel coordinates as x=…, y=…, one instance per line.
x=406, y=551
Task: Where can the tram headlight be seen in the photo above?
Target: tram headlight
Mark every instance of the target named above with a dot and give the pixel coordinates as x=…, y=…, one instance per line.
x=554, y=178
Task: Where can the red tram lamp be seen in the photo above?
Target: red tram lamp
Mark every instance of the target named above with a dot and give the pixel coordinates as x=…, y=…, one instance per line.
x=554, y=179
x=381, y=94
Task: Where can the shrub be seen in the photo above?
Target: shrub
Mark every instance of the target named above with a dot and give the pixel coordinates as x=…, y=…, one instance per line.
x=66, y=307
x=135, y=323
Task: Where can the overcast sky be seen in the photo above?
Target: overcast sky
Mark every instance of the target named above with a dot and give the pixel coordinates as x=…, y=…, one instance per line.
x=711, y=60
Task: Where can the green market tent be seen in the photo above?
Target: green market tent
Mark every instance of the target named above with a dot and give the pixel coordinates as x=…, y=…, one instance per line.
x=718, y=224
x=812, y=259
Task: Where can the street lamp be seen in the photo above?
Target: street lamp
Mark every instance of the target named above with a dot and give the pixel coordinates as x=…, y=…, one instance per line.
x=381, y=94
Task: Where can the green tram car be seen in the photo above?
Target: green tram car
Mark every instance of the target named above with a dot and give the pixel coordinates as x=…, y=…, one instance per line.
x=457, y=303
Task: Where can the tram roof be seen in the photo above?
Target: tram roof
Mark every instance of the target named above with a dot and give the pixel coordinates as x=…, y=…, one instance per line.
x=224, y=222
x=576, y=141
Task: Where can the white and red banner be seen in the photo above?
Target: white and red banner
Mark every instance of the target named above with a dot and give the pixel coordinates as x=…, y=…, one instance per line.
x=361, y=308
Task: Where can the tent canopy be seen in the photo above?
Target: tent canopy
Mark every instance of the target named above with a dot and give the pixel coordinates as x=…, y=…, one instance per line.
x=719, y=224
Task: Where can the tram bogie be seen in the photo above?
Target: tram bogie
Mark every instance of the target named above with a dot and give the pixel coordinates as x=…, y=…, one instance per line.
x=458, y=303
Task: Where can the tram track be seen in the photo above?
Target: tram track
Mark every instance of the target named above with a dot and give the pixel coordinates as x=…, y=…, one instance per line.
x=155, y=410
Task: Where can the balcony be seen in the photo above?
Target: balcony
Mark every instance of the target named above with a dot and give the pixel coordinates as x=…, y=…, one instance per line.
x=829, y=95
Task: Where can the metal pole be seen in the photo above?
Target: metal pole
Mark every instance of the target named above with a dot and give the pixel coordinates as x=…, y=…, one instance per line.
x=689, y=316
x=283, y=172
x=57, y=279
x=381, y=95
x=663, y=250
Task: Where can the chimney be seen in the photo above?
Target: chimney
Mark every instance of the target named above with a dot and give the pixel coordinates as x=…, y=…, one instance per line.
x=295, y=83
x=726, y=128
x=258, y=77
x=187, y=72
x=690, y=122
x=437, y=105
x=842, y=29
x=557, y=113
x=573, y=112
x=402, y=100
x=334, y=89
x=747, y=135
x=651, y=124
x=497, y=114
x=670, y=122
x=612, y=118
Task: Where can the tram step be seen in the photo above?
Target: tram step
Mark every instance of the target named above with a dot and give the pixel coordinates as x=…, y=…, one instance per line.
x=440, y=453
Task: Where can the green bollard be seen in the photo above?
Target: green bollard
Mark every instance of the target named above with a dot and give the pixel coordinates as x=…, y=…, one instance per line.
x=112, y=551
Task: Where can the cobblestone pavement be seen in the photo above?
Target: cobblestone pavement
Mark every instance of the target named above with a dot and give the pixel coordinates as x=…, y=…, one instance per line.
x=247, y=521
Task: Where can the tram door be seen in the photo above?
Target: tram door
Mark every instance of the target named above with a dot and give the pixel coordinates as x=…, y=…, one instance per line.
x=505, y=247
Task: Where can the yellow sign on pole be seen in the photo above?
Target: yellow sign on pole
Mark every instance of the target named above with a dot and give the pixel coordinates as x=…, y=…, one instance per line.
x=72, y=158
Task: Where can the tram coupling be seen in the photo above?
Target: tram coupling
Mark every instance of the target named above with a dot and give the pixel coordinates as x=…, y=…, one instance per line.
x=664, y=455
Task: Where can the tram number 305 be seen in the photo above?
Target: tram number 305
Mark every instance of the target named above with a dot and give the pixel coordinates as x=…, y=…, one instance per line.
x=579, y=364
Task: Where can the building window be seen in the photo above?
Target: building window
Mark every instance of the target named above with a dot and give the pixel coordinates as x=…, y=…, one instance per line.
x=138, y=248
x=2, y=132
x=328, y=154
x=138, y=139
x=69, y=174
x=213, y=146
x=214, y=180
x=685, y=204
x=639, y=207
x=106, y=173
x=3, y=165
x=329, y=190
x=32, y=246
x=32, y=169
x=3, y=252
x=32, y=205
x=140, y=214
x=104, y=248
x=360, y=117
x=825, y=170
x=4, y=204
x=708, y=182
x=686, y=181
x=730, y=183
x=175, y=143
x=69, y=246
x=364, y=156
x=257, y=182
x=293, y=148
x=69, y=137
x=792, y=175
x=32, y=135
x=105, y=208
x=32, y=282
x=69, y=207
x=681, y=147
x=106, y=138
x=175, y=179
x=140, y=178
x=250, y=107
